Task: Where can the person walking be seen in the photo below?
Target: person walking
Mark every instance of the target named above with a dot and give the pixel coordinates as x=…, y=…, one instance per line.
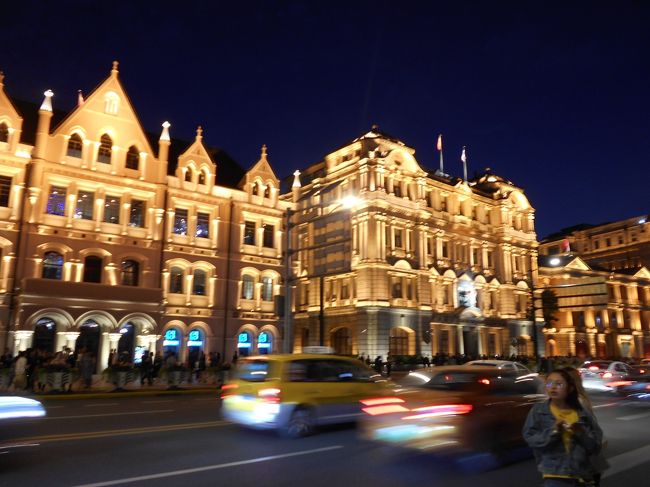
x=147, y=369
x=563, y=434
x=87, y=367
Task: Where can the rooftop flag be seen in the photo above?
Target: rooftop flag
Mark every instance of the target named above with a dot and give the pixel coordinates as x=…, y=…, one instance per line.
x=463, y=158
x=439, y=147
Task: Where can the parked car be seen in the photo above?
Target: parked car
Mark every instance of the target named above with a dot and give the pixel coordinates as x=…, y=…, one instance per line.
x=603, y=375
x=295, y=393
x=451, y=409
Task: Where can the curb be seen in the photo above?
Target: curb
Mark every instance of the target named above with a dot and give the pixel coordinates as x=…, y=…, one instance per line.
x=127, y=393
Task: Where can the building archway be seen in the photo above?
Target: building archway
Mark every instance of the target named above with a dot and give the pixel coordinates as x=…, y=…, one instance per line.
x=340, y=340
x=551, y=347
x=45, y=335
x=89, y=338
x=401, y=341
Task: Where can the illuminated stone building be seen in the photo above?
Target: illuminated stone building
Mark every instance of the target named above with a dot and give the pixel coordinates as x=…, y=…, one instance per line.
x=387, y=257
x=600, y=276
x=112, y=241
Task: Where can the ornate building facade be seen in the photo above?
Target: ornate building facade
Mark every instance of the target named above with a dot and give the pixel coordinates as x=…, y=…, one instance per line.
x=109, y=245
x=388, y=258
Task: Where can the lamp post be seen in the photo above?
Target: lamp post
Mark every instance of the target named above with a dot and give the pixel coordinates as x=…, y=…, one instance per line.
x=348, y=202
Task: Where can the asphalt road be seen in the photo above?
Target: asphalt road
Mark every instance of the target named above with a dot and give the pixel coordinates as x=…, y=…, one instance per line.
x=181, y=441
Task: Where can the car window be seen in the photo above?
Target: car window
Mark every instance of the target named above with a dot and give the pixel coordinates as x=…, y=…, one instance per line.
x=254, y=370
x=620, y=368
x=327, y=370
x=521, y=369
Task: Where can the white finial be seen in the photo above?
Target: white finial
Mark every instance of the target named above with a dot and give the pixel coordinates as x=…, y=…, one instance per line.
x=263, y=156
x=2, y=78
x=114, y=71
x=80, y=98
x=47, y=101
x=199, y=133
x=165, y=131
x=296, y=179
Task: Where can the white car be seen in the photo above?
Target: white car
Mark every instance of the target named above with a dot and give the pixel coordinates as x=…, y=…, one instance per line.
x=603, y=375
x=12, y=407
x=514, y=372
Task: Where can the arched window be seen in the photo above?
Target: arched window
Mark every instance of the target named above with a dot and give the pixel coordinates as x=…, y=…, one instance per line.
x=267, y=289
x=93, y=269
x=176, y=281
x=75, y=145
x=256, y=189
x=202, y=177
x=130, y=272
x=188, y=174
x=248, y=287
x=267, y=191
x=4, y=132
x=198, y=284
x=52, y=265
x=132, y=158
x=44, y=335
x=105, y=149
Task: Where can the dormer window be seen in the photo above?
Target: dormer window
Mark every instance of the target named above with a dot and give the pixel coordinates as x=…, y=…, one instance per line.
x=267, y=191
x=4, y=132
x=75, y=145
x=256, y=189
x=111, y=103
x=188, y=175
x=202, y=177
x=132, y=158
x=105, y=149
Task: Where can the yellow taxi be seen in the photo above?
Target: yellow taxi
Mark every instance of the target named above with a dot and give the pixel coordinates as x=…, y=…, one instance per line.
x=295, y=393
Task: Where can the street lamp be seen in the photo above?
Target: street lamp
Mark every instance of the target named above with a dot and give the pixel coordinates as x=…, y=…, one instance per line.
x=347, y=202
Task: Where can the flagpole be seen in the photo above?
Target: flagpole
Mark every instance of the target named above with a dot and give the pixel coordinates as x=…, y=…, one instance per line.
x=464, y=159
x=442, y=164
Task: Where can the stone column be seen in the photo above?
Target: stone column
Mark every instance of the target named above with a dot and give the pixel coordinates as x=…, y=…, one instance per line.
x=23, y=340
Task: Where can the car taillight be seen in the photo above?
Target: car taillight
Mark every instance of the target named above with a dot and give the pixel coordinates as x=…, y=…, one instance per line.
x=484, y=381
x=383, y=405
x=607, y=375
x=270, y=394
x=440, y=410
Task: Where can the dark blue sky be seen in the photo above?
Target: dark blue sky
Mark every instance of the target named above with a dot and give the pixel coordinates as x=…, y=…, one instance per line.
x=551, y=95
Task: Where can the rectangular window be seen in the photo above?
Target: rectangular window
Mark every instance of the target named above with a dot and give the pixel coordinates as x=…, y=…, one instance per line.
x=443, y=203
x=475, y=256
x=596, y=244
x=445, y=250
x=429, y=246
x=345, y=290
x=249, y=233
x=490, y=259
x=268, y=236
x=203, y=225
x=85, y=203
x=267, y=289
x=397, y=190
x=5, y=190
x=608, y=242
x=180, y=221
x=112, y=209
x=398, y=239
x=56, y=201
x=396, y=288
x=136, y=218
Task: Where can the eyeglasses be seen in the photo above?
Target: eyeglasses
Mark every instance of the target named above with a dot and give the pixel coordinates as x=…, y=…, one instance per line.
x=556, y=383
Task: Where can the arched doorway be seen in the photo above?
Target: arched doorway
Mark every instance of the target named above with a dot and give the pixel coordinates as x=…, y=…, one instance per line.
x=44, y=335
x=195, y=341
x=89, y=337
x=341, y=342
x=172, y=342
x=125, y=346
x=244, y=344
x=582, y=350
x=264, y=343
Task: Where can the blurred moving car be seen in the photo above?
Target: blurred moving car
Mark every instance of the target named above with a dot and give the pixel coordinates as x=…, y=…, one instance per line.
x=603, y=375
x=513, y=371
x=12, y=407
x=295, y=393
x=457, y=409
x=637, y=389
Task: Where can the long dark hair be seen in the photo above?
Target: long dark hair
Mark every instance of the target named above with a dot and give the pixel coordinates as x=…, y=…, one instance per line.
x=572, y=391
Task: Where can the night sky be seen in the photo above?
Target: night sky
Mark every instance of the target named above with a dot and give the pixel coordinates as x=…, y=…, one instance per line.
x=554, y=96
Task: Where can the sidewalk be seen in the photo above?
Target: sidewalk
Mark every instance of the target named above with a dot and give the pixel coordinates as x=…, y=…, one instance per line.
x=101, y=389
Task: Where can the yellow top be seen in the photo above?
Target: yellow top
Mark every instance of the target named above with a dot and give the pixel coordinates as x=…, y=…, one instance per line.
x=569, y=416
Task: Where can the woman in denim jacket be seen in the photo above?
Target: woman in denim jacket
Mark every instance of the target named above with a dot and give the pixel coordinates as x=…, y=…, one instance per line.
x=563, y=434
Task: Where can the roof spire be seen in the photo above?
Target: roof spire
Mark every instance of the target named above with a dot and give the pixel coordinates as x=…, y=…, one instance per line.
x=165, y=131
x=2, y=78
x=263, y=156
x=114, y=71
x=47, y=101
x=296, y=179
x=199, y=133
x=80, y=98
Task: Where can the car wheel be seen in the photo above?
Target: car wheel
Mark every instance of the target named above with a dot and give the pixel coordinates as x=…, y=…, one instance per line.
x=300, y=424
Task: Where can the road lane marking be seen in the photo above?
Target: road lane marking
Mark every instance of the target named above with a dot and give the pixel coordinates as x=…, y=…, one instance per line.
x=209, y=467
x=605, y=405
x=81, y=416
x=105, y=434
x=634, y=416
x=101, y=404
x=627, y=460
x=157, y=402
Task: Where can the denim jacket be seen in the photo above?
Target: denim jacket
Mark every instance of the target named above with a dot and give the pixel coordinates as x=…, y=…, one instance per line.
x=552, y=458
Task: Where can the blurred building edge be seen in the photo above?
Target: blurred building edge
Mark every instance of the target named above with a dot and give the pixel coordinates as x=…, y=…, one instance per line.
x=116, y=239
x=599, y=275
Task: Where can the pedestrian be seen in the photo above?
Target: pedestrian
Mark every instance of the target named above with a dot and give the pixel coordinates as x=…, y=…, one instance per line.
x=87, y=367
x=379, y=365
x=157, y=365
x=235, y=356
x=20, y=372
x=563, y=434
x=147, y=369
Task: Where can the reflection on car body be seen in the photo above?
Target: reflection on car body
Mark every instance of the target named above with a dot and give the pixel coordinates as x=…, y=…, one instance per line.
x=13, y=407
x=294, y=393
x=452, y=409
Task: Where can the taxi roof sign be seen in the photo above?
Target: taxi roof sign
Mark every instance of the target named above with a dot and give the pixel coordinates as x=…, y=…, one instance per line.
x=317, y=349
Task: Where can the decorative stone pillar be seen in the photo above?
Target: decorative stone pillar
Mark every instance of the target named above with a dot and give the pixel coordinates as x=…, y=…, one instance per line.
x=71, y=339
x=23, y=340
